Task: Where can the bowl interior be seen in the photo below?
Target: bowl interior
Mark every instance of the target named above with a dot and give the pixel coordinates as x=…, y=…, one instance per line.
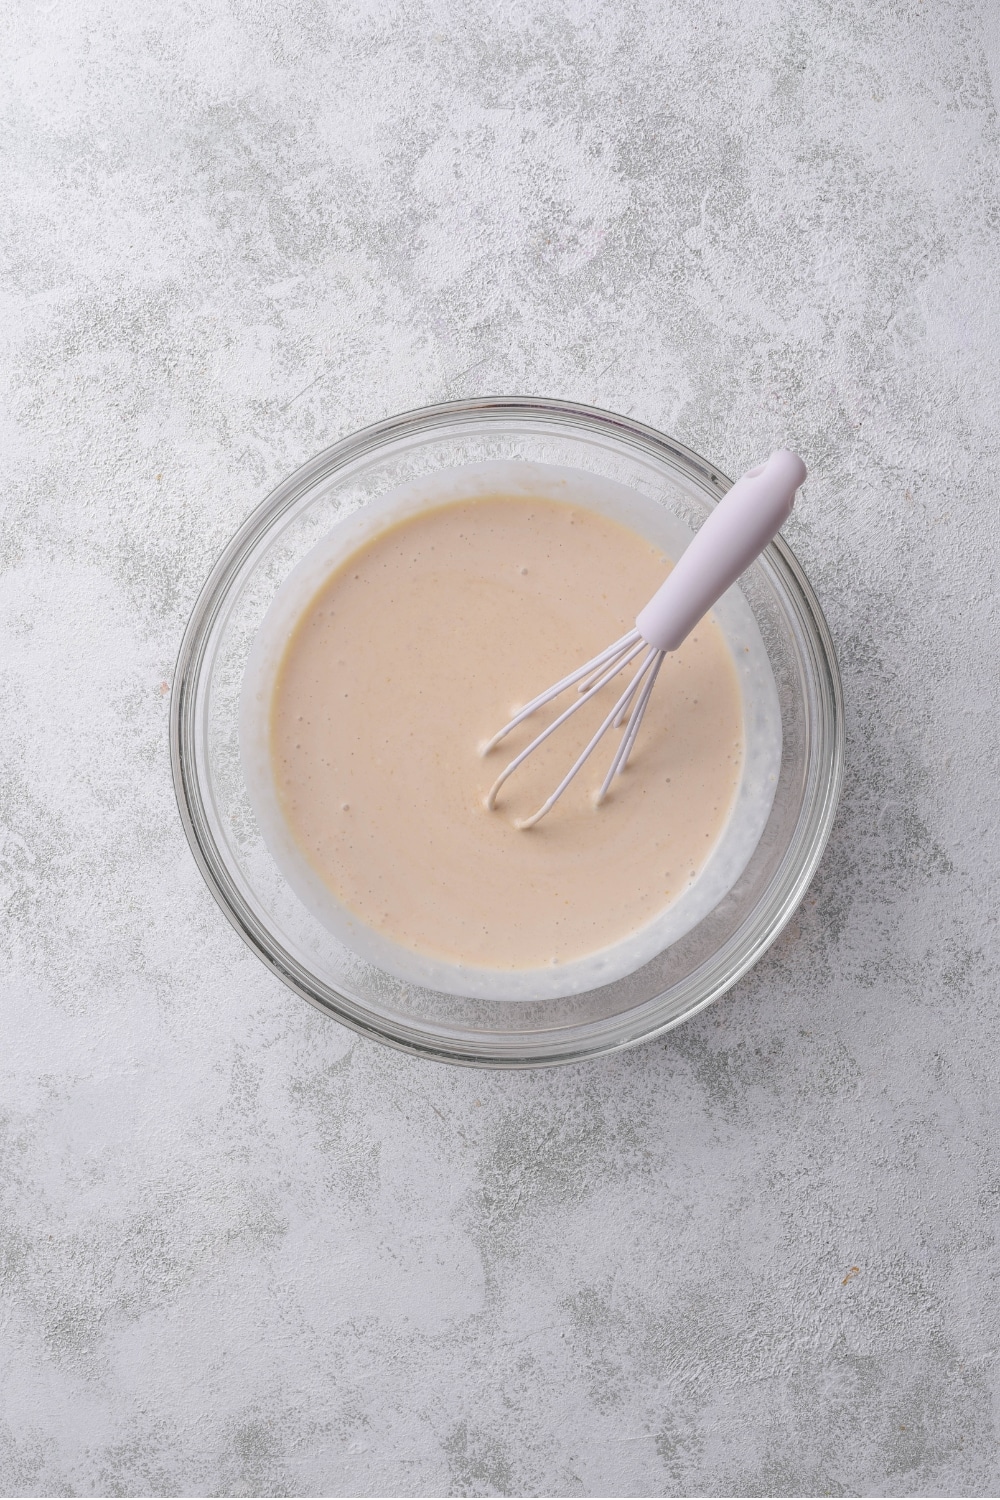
x=227, y=842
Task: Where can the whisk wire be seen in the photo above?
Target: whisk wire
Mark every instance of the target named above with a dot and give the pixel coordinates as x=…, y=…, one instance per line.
x=620, y=760
x=607, y=674
x=589, y=672
x=637, y=717
x=620, y=647
x=592, y=746
x=626, y=707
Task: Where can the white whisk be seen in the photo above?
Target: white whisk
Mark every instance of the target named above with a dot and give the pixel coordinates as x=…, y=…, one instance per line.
x=746, y=518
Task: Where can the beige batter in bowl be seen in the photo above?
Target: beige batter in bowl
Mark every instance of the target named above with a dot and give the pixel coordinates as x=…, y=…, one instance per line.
x=732, y=849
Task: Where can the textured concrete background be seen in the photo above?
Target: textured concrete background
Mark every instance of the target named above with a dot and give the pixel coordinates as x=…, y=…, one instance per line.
x=244, y=1253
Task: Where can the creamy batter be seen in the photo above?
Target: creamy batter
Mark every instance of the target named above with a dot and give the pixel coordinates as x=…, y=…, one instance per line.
x=413, y=653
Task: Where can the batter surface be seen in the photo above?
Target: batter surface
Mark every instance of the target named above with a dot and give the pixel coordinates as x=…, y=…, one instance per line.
x=413, y=653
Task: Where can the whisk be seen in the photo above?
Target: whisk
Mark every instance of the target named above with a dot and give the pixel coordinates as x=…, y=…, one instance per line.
x=746, y=518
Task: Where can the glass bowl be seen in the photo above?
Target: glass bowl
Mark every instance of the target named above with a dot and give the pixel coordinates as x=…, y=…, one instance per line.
x=234, y=860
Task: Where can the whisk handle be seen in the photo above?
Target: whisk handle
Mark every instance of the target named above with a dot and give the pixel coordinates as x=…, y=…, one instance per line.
x=746, y=518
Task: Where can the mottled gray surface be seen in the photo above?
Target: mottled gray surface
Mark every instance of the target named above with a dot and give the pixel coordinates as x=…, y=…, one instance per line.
x=244, y=1253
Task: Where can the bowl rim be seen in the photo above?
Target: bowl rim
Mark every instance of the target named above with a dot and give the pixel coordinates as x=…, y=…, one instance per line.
x=721, y=973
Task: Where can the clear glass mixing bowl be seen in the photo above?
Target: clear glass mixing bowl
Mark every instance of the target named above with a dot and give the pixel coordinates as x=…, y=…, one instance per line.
x=253, y=894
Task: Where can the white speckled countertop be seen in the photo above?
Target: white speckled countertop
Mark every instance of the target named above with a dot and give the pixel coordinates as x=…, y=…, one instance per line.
x=243, y=1252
